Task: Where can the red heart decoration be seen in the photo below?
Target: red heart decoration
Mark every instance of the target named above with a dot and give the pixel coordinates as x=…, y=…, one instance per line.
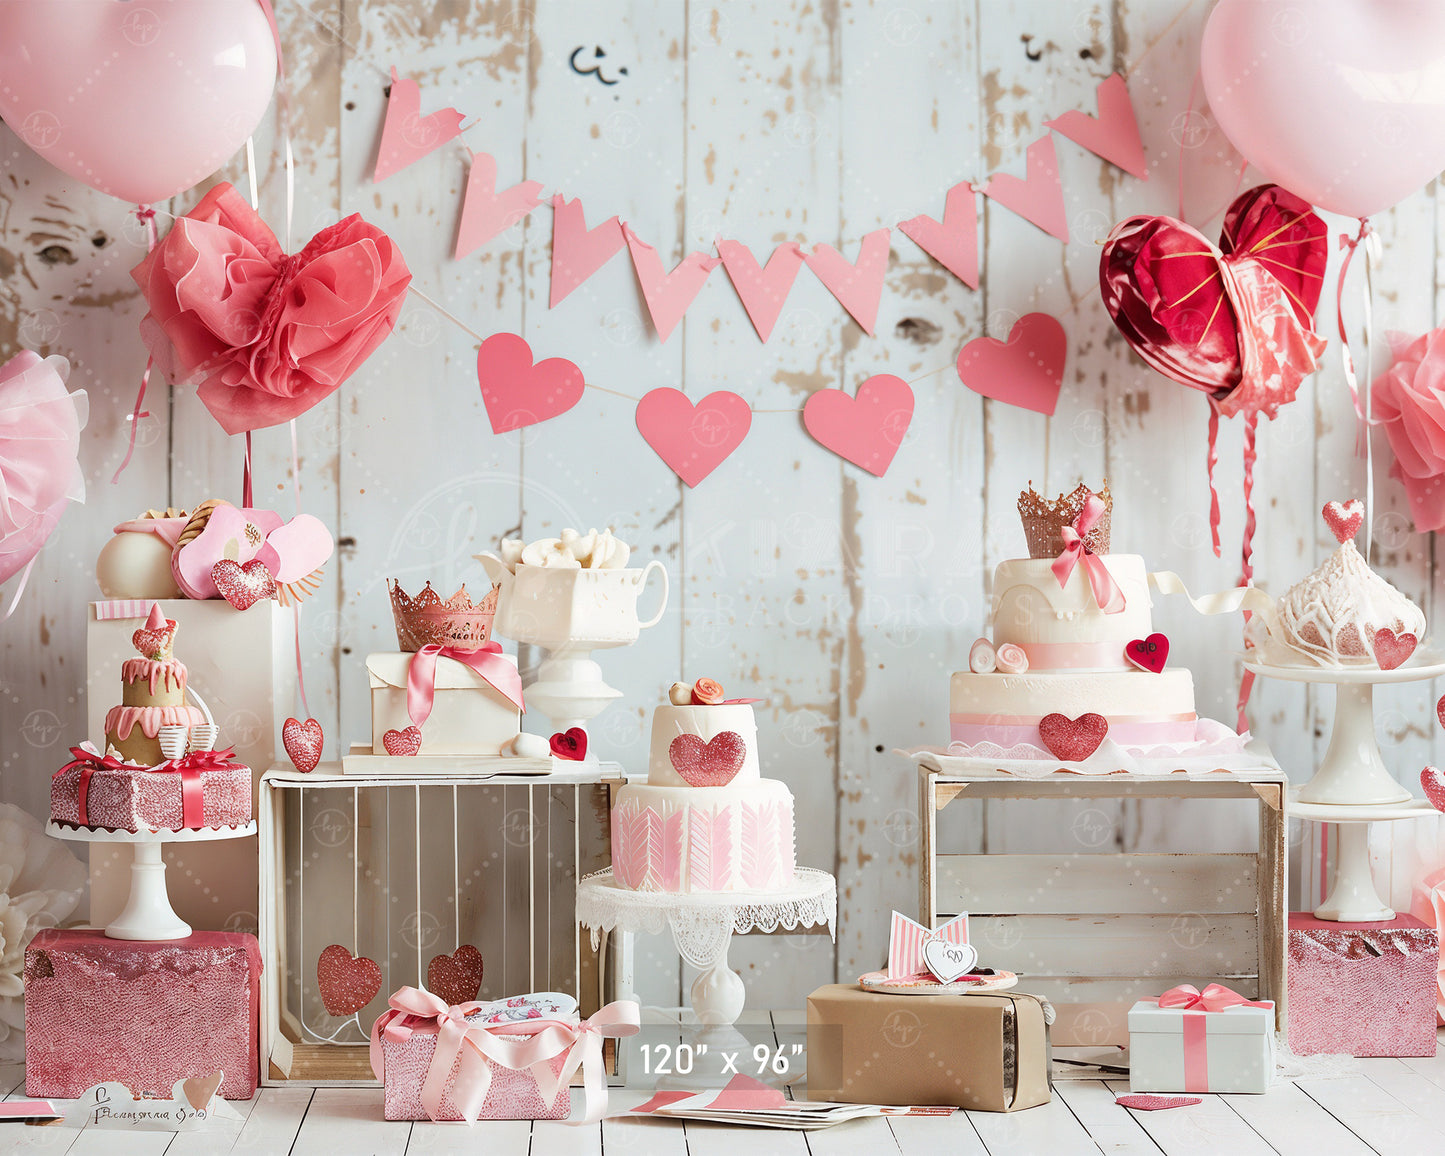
x=154, y=643
x=404, y=742
x=1432, y=779
x=693, y=440
x=1152, y=1103
x=457, y=977
x=347, y=983
x=518, y=393
x=1440, y=710
x=243, y=585
x=1392, y=649
x=1073, y=739
x=708, y=764
x=1344, y=518
x=303, y=742
x=1027, y=370
x=1149, y=653
x=865, y=430
x=570, y=744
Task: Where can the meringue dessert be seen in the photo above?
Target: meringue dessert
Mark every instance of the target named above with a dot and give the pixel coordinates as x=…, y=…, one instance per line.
x=594, y=550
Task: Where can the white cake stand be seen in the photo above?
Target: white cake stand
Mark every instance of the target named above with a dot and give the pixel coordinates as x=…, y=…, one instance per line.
x=1352, y=897
x=148, y=914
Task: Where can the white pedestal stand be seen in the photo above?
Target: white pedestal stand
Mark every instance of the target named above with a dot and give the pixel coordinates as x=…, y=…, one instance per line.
x=147, y=914
x=702, y=926
x=1352, y=897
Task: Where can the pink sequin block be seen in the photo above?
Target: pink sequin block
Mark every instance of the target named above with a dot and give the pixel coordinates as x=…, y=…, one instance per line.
x=511, y=1095
x=141, y=799
x=144, y=1014
x=1364, y=989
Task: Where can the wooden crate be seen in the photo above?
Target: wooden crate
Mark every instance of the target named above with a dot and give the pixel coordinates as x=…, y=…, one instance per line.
x=402, y=870
x=1093, y=930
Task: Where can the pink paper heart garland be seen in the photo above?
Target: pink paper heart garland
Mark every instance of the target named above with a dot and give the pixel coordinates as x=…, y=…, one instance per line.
x=577, y=251
x=667, y=294
x=693, y=439
x=406, y=135
x=1038, y=196
x=858, y=285
x=761, y=289
x=517, y=392
x=952, y=242
x=486, y=212
x=1027, y=370
x=867, y=429
x=1113, y=134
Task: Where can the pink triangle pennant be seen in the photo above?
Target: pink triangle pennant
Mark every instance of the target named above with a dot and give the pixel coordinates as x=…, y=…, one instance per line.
x=953, y=243
x=577, y=251
x=667, y=294
x=762, y=289
x=406, y=135
x=1113, y=134
x=486, y=212
x=1037, y=197
x=857, y=286
x=693, y=439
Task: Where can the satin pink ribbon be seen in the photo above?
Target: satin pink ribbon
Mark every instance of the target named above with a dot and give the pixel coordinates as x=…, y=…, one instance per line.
x=193, y=803
x=475, y=1048
x=488, y=661
x=1196, y=1005
x=1107, y=595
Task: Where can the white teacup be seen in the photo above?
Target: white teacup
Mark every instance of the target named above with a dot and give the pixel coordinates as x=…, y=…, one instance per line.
x=556, y=608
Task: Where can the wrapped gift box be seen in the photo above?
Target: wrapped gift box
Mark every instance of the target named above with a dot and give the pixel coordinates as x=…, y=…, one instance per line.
x=1177, y=1049
x=987, y=1052
x=1365, y=989
x=469, y=716
x=96, y=792
x=142, y=1014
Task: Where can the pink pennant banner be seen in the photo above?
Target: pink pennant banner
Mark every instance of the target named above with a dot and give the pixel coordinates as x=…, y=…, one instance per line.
x=667, y=294
x=486, y=212
x=577, y=251
x=1113, y=134
x=865, y=430
x=406, y=135
x=693, y=439
x=952, y=242
x=762, y=289
x=1037, y=197
x=858, y=286
x=906, y=938
x=519, y=393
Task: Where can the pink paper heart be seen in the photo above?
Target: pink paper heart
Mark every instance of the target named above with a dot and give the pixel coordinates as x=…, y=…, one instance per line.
x=1114, y=134
x=953, y=242
x=865, y=430
x=1038, y=196
x=762, y=290
x=1432, y=780
x=303, y=742
x=406, y=135
x=518, y=393
x=485, y=211
x=667, y=294
x=577, y=251
x=1073, y=739
x=402, y=743
x=297, y=549
x=707, y=764
x=1344, y=518
x=857, y=285
x=347, y=983
x=693, y=440
x=243, y=585
x=1392, y=649
x=1027, y=370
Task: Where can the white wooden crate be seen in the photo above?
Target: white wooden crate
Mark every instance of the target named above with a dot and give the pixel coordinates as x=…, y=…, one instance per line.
x=402, y=870
x=1093, y=927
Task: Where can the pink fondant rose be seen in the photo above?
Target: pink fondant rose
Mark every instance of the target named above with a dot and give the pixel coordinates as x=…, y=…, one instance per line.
x=1409, y=400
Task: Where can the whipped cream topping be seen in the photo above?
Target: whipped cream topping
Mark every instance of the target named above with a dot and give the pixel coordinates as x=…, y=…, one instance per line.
x=594, y=550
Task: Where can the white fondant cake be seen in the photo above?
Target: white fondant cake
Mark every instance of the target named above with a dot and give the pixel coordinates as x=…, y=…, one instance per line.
x=1061, y=627
x=706, y=723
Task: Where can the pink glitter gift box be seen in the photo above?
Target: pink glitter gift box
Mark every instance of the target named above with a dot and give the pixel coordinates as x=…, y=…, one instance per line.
x=144, y=1014
x=201, y=789
x=1365, y=989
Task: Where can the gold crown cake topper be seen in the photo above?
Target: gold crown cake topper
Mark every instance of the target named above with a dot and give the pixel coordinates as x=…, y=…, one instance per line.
x=1045, y=519
x=430, y=619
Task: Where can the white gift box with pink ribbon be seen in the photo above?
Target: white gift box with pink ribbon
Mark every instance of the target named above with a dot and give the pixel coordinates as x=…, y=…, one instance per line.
x=466, y=709
x=1209, y=1041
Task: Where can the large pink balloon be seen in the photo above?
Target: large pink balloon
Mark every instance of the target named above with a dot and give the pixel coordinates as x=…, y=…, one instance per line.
x=1339, y=101
x=141, y=100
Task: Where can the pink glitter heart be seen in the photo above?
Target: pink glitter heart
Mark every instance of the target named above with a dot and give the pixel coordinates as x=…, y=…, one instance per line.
x=457, y=977
x=1432, y=779
x=1344, y=518
x=1154, y=1103
x=1392, y=649
x=1073, y=739
x=710, y=764
x=303, y=742
x=1440, y=710
x=405, y=742
x=347, y=983
x=243, y=586
x=154, y=643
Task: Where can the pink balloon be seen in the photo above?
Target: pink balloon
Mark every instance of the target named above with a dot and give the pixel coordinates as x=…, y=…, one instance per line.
x=1340, y=101
x=140, y=100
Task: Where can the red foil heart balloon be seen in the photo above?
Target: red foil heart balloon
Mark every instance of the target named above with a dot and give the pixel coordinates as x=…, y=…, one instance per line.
x=303, y=742
x=347, y=982
x=1073, y=739
x=1149, y=653
x=403, y=742
x=570, y=744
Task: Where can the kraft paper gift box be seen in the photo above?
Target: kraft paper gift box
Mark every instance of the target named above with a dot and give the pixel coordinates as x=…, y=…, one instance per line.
x=145, y=1014
x=1188, y=1049
x=987, y=1052
x=469, y=716
x=1364, y=989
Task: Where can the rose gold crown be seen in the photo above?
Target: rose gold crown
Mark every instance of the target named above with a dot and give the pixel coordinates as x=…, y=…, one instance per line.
x=1044, y=520
x=429, y=619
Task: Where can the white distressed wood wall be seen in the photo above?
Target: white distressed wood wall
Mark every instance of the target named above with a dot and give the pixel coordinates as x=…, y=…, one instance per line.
x=845, y=599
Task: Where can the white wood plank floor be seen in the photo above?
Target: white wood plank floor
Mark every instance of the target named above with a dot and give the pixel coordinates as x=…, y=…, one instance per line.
x=1391, y=1107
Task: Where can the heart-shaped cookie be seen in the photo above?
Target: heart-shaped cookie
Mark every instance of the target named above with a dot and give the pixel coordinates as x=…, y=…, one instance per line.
x=1344, y=518
x=570, y=744
x=1148, y=653
x=948, y=961
x=303, y=742
x=347, y=982
x=243, y=585
x=198, y=1091
x=1392, y=649
x=1073, y=739
x=708, y=764
x=457, y=977
x=1432, y=781
x=403, y=742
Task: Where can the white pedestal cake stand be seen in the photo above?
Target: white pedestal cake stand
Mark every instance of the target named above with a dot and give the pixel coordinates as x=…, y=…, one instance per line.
x=1352, y=897
x=147, y=914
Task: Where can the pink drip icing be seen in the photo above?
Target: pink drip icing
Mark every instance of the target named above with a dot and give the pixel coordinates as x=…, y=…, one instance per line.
x=167, y=671
x=121, y=720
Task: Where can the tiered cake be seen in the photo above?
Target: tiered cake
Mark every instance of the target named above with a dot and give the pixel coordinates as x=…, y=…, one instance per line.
x=706, y=820
x=153, y=695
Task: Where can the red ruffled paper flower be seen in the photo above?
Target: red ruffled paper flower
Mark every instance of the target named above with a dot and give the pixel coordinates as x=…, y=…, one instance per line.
x=1409, y=401
x=265, y=336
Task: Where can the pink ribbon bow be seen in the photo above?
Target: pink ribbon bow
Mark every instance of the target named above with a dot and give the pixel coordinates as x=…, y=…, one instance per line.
x=470, y=1046
x=1107, y=595
x=488, y=661
x=1196, y=1005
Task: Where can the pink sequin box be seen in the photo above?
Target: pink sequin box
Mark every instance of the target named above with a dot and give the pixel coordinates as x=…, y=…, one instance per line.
x=139, y=798
x=510, y=1096
x=1363, y=989
x=145, y=1014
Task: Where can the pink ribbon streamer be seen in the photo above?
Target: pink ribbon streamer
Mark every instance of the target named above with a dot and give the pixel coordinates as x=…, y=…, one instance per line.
x=488, y=661
x=1196, y=1005
x=147, y=215
x=469, y=1047
x=1107, y=595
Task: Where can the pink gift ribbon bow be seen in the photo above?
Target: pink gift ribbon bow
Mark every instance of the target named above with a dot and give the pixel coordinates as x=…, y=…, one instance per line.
x=488, y=661
x=1107, y=595
x=1197, y=1005
x=470, y=1046
x=906, y=938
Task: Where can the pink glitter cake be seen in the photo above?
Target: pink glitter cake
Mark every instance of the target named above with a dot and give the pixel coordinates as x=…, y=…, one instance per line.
x=202, y=789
